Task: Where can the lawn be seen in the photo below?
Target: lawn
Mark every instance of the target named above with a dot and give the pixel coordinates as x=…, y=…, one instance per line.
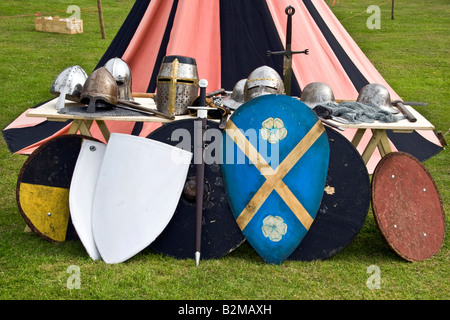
x=412, y=54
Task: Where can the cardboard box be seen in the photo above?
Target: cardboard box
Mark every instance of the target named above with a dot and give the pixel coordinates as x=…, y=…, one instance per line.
x=59, y=25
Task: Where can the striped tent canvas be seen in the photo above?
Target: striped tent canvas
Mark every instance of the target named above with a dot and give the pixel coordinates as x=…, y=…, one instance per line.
x=229, y=39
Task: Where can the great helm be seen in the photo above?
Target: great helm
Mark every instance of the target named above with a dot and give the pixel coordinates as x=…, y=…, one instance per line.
x=176, y=84
x=263, y=80
x=376, y=95
x=122, y=74
x=70, y=82
x=99, y=86
x=237, y=96
x=316, y=93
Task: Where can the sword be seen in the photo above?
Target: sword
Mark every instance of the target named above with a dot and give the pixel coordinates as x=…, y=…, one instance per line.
x=288, y=53
x=202, y=113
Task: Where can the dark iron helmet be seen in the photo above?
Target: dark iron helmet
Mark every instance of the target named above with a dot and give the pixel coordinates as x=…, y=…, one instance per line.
x=99, y=86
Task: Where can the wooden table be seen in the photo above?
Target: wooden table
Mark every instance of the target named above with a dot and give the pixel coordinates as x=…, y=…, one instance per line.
x=83, y=123
x=378, y=140
x=379, y=137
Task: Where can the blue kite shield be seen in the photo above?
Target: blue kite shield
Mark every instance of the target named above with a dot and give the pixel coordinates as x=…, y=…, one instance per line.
x=275, y=160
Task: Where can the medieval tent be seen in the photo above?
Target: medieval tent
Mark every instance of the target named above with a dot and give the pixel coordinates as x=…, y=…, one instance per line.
x=229, y=39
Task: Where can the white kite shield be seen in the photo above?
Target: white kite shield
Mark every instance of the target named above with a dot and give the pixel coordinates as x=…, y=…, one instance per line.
x=81, y=193
x=137, y=191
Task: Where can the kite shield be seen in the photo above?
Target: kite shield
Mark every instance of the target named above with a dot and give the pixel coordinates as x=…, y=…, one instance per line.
x=275, y=163
x=81, y=192
x=407, y=207
x=138, y=187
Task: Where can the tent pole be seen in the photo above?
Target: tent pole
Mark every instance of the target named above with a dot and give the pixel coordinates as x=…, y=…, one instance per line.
x=100, y=17
x=392, y=10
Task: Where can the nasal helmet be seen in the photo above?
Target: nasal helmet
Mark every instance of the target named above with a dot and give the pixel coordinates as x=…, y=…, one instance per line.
x=122, y=75
x=70, y=81
x=99, y=86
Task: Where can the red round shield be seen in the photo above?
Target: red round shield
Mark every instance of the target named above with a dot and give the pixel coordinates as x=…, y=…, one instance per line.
x=407, y=207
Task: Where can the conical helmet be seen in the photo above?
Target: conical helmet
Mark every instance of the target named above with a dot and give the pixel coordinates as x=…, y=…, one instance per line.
x=70, y=82
x=374, y=94
x=263, y=80
x=122, y=74
x=237, y=96
x=99, y=86
x=316, y=93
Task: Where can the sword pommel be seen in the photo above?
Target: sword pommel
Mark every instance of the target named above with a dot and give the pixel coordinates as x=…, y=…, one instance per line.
x=289, y=10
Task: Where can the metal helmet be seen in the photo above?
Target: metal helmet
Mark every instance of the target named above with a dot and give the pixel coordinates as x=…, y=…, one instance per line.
x=376, y=95
x=316, y=93
x=69, y=82
x=99, y=86
x=263, y=80
x=176, y=85
x=237, y=96
x=122, y=74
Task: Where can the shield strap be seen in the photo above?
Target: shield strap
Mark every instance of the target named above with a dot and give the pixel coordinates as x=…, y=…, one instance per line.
x=274, y=178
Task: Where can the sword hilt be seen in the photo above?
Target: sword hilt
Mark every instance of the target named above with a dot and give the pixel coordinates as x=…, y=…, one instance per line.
x=290, y=12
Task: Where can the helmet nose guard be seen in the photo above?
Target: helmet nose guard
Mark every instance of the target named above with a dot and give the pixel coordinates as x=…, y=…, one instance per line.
x=68, y=85
x=99, y=86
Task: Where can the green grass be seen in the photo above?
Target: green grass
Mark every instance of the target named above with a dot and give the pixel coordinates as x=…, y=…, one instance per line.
x=412, y=54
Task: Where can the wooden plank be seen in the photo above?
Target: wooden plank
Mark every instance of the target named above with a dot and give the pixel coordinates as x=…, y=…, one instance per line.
x=384, y=146
x=358, y=136
x=104, y=129
x=373, y=143
x=48, y=111
x=74, y=126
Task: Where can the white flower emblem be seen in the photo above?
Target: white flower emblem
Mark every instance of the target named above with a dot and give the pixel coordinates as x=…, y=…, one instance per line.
x=274, y=228
x=273, y=130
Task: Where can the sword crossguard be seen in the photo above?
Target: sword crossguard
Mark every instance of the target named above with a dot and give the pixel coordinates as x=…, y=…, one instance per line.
x=288, y=53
